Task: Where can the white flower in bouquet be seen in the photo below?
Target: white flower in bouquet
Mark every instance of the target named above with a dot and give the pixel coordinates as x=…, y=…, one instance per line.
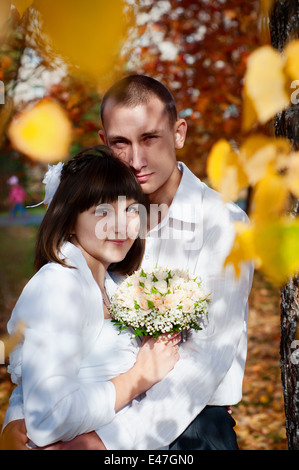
x=160, y=301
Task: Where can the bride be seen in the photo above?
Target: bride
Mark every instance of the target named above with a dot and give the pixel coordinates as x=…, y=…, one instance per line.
x=75, y=369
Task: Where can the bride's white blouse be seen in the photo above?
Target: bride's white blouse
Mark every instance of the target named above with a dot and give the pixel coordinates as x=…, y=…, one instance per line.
x=69, y=351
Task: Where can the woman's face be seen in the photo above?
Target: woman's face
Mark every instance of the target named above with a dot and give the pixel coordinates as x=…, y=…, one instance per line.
x=106, y=232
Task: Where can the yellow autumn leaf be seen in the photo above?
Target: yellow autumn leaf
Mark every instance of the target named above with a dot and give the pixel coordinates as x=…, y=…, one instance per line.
x=249, y=114
x=258, y=151
x=4, y=11
x=276, y=244
x=43, y=132
x=270, y=197
x=10, y=342
x=272, y=246
x=292, y=59
x=224, y=171
x=243, y=248
x=265, y=82
x=217, y=161
x=88, y=35
x=22, y=5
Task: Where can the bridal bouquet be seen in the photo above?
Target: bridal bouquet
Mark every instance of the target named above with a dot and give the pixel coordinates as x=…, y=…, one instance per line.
x=160, y=301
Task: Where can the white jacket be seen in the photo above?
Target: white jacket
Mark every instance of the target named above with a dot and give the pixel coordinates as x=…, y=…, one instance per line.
x=69, y=352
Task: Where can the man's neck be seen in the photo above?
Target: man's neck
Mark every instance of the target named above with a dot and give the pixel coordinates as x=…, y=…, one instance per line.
x=166, y=192
x=161, y=199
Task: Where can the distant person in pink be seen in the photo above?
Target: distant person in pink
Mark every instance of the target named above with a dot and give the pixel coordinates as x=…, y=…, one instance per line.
x=16, y=196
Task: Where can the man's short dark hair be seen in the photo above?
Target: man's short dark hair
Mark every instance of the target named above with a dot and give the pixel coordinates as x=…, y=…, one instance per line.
x=134, y=90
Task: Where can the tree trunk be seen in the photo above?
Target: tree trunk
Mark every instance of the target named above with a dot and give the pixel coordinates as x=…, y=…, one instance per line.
x=284, y=26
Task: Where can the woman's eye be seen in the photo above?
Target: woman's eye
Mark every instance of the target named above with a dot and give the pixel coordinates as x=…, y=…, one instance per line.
x=133, y=209
x=101, y=211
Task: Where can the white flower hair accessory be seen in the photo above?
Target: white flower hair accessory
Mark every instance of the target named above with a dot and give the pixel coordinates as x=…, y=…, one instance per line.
x=51, y=180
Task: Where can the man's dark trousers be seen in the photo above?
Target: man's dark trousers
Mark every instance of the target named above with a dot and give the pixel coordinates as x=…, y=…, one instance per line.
x=212, y=429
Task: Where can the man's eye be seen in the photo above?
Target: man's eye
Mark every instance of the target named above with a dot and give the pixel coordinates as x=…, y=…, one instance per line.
x=151, y=138
x=118, y=144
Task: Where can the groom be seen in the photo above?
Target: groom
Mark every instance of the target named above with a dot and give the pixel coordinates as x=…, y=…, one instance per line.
x=195, y=232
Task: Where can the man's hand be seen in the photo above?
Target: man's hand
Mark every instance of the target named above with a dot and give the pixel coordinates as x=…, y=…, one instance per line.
x=14, y=436
x=89, y=441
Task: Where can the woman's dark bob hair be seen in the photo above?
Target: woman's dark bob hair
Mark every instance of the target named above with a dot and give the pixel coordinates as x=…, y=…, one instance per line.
x=91, y=177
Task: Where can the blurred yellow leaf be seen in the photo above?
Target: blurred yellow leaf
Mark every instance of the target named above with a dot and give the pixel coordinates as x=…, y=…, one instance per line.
x=10, y=342
x=217, y=161
x=273, y=246
x=42, y=132
x=4, y=11
x=243, y=248
x=224, y=171
x=7, y=111
x=292, y=59
x=265, y=83
x=249, y=115
x=87, y=34
x=277, y=246
x=22, y=5
x=258, y=151
x=270, y=197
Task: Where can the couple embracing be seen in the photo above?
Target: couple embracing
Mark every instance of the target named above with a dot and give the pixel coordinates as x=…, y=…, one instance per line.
x=81, y=384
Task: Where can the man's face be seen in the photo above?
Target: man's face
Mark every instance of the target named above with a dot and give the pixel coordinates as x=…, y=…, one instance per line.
x=144, y=139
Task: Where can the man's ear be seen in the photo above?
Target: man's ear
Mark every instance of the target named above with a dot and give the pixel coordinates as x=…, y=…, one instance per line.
x=103, y=136
x=180, y=131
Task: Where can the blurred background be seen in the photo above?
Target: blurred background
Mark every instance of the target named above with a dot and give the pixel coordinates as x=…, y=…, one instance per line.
x=65, y=56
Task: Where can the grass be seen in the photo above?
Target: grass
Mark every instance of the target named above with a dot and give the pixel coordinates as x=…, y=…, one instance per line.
x=32, y=211
x=16, y=254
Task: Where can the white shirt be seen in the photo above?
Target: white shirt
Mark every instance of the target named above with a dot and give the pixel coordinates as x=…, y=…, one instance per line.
x=69, y=352
x=197, y=234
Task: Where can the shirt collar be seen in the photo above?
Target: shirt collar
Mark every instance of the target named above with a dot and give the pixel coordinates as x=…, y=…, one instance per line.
x=187, y=202
x=74, y=257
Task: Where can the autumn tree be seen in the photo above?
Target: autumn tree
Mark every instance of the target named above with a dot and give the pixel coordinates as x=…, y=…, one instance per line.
x=271, y=166
x=284, y=27
x=199, y=50
x=81, y=100
x=12, y=47
x=76, y=42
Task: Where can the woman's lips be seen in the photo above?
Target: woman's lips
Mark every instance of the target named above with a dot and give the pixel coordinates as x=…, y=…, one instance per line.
x=117, y=242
